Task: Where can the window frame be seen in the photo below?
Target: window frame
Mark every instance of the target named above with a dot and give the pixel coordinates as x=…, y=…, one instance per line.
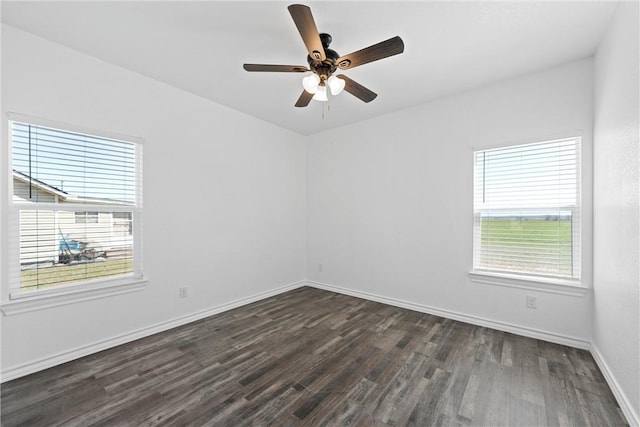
x=14, y=300
x=531, y=281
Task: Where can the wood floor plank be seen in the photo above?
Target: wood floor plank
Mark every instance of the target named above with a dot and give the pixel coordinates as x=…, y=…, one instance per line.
x=315, y=358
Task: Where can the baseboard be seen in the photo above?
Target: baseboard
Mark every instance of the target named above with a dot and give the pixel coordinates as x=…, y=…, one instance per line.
x=67, y=356
x=625, y=404
x=474, y=320
x=621, y=398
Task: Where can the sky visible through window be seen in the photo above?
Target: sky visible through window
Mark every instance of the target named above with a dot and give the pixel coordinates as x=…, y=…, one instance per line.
x=78, y=164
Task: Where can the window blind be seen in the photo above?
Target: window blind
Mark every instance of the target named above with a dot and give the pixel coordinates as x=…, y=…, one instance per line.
x=527, y=209
x=76, y=202
x=83, y=166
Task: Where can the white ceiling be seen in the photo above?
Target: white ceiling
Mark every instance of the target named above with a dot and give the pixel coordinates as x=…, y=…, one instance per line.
x=200, y=47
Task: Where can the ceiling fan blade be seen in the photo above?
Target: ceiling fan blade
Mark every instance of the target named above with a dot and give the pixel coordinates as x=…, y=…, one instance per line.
x=384, y=49
x=276, y=68
x=357, y=90
x=303, y=19
x=305, y=99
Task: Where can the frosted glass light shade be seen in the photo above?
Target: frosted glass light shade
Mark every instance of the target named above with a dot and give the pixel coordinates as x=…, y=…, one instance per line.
x=310, y=83
x=335, y=85
x=321, y=94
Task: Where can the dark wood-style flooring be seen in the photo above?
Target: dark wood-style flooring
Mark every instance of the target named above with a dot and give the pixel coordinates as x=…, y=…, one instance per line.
x=310, y=357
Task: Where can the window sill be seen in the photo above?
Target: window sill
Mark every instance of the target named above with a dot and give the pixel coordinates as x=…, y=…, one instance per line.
x=33, y=301
x=542, y=284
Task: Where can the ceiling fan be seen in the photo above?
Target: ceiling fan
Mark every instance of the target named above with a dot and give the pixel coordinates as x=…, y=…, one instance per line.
x=324, y=62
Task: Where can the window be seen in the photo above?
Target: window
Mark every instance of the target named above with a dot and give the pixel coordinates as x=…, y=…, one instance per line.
x=527, y=210
x=123, y=221
x=75, y=208
x=86, y=217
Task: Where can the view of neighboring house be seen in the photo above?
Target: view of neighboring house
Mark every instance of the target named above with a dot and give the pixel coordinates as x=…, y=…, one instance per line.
x=66, y=229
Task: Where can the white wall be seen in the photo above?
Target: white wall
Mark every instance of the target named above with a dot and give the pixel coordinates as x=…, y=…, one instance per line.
x=390, y=206
x=224, y=195
x=616, y=318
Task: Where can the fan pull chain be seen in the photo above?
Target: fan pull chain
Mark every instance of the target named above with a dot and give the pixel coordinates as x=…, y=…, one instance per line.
x=328, y=105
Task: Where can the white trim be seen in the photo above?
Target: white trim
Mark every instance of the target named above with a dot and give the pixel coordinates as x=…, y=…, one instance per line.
x=466, y=318
x=23, y=302
x=67, y=356
x=542, y=284
x=625, y=404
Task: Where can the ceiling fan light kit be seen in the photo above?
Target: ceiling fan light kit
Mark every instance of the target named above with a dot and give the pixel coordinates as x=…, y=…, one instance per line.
x=324, y=62
x=336, y=85
x=321, y=94
x=311, y=83
x=315, y=86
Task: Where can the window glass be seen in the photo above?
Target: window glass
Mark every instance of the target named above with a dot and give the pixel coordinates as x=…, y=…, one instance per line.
x=527, y=209
x=75, y=197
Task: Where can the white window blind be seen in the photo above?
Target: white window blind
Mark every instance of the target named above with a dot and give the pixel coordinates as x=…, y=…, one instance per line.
x=527, y=209
x=75, y=208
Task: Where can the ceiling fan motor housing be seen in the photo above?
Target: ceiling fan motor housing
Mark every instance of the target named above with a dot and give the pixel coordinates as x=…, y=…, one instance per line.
x=325, y=68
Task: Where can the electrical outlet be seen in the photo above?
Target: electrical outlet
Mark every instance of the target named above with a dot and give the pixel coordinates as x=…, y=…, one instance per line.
x=184, y=292
x=532, y=302
x=320, y=268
